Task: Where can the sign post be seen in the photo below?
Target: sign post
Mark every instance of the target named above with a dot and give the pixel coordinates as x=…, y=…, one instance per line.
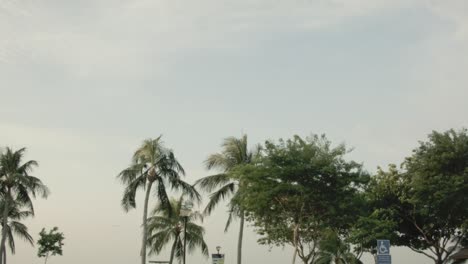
x=383, y=252
x=218, y=258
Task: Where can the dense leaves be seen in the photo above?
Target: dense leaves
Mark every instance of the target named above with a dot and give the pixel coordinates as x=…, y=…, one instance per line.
x=422, y=205
x=297, y=188
x=50, y=243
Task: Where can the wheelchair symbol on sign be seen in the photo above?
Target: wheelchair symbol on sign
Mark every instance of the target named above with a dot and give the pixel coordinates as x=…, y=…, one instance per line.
x=382, y=248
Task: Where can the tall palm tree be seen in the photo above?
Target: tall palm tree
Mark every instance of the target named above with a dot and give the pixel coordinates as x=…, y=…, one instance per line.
x=17, y=186
x=165, y=228
x=15, y=227
x=234, y=153
x=153, y=164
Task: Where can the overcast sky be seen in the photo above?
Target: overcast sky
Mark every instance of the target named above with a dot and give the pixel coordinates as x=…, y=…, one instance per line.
x=82, y=83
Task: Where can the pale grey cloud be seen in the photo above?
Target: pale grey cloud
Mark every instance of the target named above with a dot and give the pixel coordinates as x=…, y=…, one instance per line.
x=83, y=82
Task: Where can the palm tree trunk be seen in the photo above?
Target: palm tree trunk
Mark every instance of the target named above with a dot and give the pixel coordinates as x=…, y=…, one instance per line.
x=4, y=230
x=173, y=249
x=145, y=223
x=241, y=234
x=4, y=255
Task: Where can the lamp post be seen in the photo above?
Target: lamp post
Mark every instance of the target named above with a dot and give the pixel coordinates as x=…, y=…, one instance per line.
x=185, y=212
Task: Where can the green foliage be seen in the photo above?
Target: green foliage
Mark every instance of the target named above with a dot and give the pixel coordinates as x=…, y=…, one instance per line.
x=165, y=228
x=50, y=243
x=16, y=183
x=437, y=180
x=153, y=163
x=423, y=206
x=17, y=189
x=297, y=188
x=234, y=153
x=333, y=250
x=379, y=218
x=16, y=213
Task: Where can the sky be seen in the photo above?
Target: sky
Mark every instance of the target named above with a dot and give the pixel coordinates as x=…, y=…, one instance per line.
x=83, y=83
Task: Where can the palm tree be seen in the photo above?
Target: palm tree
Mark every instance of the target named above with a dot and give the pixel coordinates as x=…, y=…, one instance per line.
x=153, y=164
x=234, y=153
x=15, y=227
x=333, y=250
x=17, y=186
x=165, y=228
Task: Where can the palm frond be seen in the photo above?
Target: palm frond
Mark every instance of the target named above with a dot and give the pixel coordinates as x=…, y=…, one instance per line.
x=27, y=167
x=129, y=174
x=195, y=240
x=187, y=189
x=21, y=231
x=163, y=197
x=217, y=160
x=209, y=183
x=33, y=185
x=218, y=196
x=149, y=151
x=128, y=199
x=157, y=241
x=159, y=222
x=172, y=164
x=11, y=240
x=232, y=214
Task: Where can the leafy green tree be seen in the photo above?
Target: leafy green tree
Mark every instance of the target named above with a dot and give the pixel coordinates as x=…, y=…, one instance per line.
x=153, y=164
x=234, y=153
x=333, y=250
x=279, y=212
x=298, y=188
x=165, y=228
x=426, y=200
x=50, y=243
x=14, y=227
x=17, y=186
x=437, y=176
x=378, y=219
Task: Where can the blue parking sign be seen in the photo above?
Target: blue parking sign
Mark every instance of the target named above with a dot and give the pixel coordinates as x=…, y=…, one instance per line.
x=383, y=247
x=384, y=259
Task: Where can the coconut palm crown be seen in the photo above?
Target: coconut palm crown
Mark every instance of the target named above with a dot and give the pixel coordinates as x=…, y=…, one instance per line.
x=165, y=228
x=153, y=164
x=14, y=227
x=17, y=187
x=234, y=153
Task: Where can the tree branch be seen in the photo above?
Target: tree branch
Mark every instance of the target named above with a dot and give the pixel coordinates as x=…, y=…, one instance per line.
x=422, y=252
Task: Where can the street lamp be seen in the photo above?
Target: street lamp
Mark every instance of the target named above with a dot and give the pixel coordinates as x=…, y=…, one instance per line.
x=185, y=212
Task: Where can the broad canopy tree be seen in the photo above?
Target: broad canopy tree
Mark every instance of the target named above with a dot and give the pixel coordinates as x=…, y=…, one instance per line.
x=378, y=218
x=299, y=187
x=423, y=205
